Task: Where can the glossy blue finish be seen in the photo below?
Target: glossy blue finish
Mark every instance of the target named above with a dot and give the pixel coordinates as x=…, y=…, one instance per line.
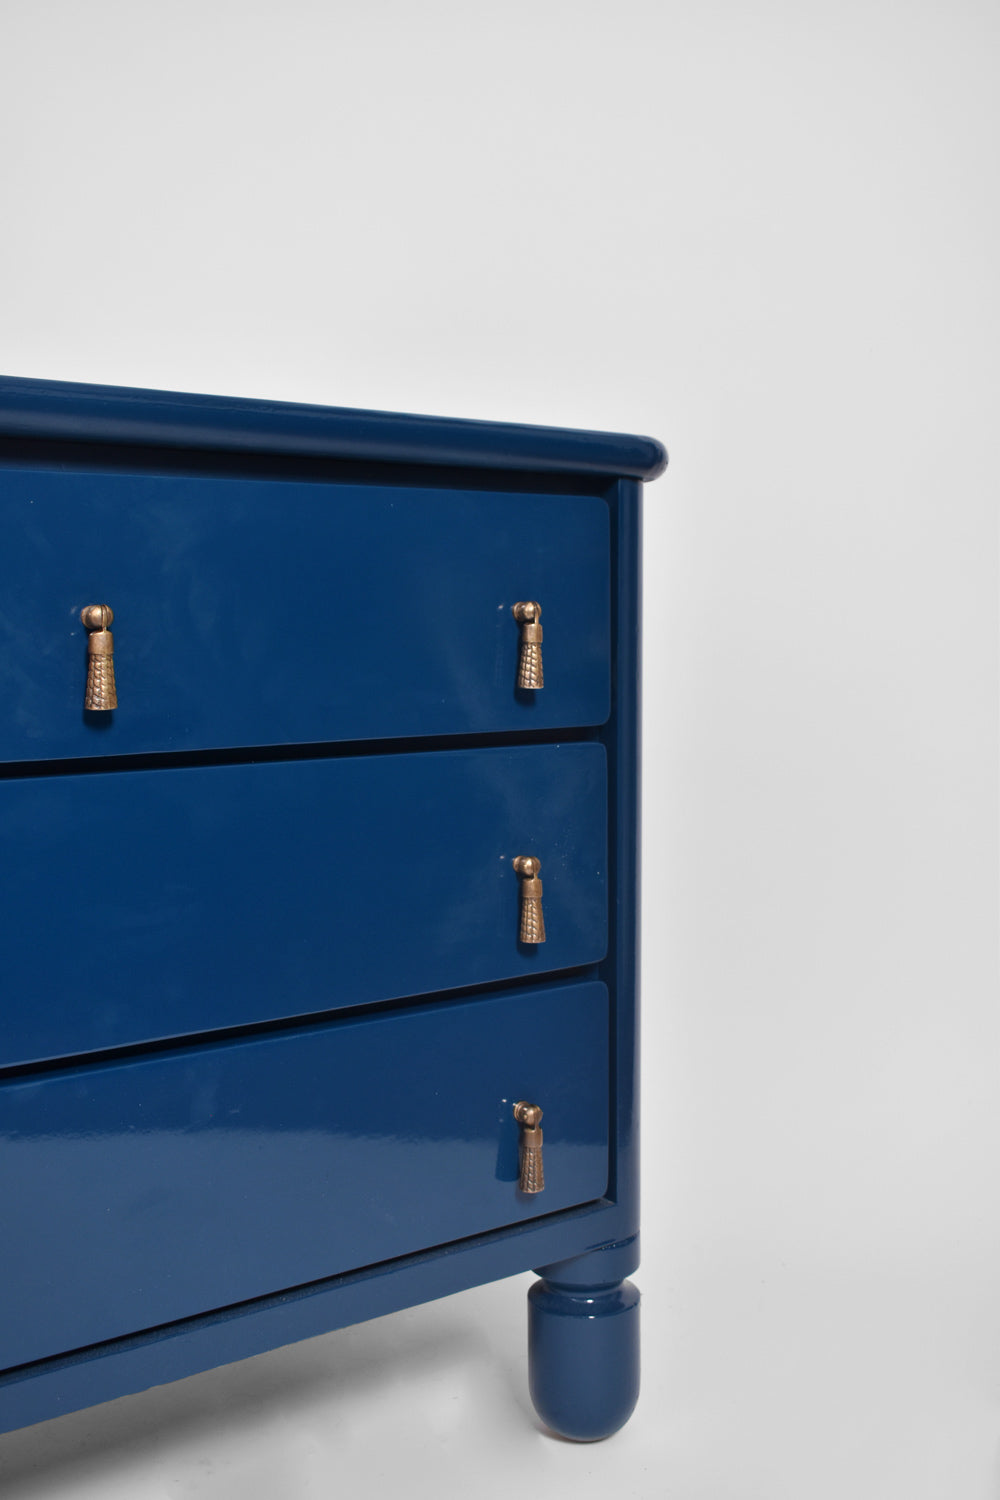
x=266, y=613
x=583, y=1357
x=620, y=969
x=216, y=1173
x=604, y=1266
x=241, y=1298
x=60, y=410
x=161, y=903
x=31, y=1393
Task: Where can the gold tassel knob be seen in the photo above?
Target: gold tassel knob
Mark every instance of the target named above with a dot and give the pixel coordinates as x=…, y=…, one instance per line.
x=529, y=656
x=529, y=1117
x=101, y=694
x=532, y=921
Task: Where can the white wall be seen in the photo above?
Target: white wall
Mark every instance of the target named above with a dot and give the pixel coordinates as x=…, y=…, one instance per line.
x=768, y=234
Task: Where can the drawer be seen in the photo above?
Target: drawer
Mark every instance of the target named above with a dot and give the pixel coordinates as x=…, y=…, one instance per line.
x=252, y=613
x=152, y=1189
x=149, y=904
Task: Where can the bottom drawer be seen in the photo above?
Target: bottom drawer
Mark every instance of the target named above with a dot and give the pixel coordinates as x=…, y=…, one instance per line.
x=142, y=1191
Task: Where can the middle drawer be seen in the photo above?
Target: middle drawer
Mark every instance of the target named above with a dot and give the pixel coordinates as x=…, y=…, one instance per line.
x=151, y=904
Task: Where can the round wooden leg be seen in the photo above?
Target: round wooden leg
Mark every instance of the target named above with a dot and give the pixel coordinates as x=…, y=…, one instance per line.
x=583, y=1356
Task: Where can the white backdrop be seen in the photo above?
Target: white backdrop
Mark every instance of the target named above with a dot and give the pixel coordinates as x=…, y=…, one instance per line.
x=768, y=234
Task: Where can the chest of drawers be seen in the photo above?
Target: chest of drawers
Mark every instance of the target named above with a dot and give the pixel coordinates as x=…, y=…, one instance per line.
x=318, y=797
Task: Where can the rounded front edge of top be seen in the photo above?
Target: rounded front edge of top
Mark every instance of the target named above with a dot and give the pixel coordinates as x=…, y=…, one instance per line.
x=659, y=458
x=69, y=410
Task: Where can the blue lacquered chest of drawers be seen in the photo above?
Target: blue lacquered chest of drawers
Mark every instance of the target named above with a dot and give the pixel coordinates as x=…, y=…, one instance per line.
x=318, y=798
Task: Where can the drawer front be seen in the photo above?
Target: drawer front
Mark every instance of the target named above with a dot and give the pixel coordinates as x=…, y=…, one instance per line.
x=148, y=1190
x=149, y=904
x=252, y=613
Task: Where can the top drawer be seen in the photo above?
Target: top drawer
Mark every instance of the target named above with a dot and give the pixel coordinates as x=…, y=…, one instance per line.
x=250, y=612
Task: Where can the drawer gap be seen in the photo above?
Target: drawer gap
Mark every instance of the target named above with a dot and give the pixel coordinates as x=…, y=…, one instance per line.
x=224, y=1035
x=243, y=755
x=205, y=463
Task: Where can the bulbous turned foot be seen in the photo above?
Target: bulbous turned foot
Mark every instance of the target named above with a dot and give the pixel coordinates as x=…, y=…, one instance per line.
x=583, y=1356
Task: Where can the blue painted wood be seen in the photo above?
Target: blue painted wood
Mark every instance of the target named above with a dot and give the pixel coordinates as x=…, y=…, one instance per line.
x=583, y=1357
x=622, y=736
x=59, y=410
x=48, y=1388
x=188, y=437
x=210, y=1174
x=583, y=1318
x=254, y=613
x=604, y=1266
x=151, y=904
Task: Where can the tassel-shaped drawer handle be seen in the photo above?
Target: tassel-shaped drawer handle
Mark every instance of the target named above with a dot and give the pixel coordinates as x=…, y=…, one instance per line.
x=529, y=656
x=101, y=694
x=529, y=1117
x=532, y=922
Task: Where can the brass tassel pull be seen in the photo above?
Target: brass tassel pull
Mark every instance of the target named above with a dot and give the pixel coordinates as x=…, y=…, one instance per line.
x=529, y=1117
x=101, y=694
x=532, y=921
x=529, y=656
